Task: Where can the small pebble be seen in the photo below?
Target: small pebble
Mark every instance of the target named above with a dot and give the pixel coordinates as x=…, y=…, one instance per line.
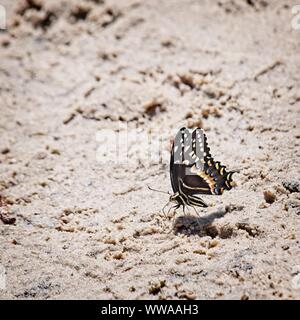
x=213, y=243
x=156, y=287
x=55, y=152
x=291, y=186
x=5, y=151
x=199, y=251
x=186, y=294
x=269, y=196
x=118, y=256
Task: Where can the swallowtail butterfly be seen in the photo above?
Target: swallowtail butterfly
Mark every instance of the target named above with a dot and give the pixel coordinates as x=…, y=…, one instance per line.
x=193, y=171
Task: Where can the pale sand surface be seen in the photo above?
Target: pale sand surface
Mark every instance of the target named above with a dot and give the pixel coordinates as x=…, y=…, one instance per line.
x=87, y=229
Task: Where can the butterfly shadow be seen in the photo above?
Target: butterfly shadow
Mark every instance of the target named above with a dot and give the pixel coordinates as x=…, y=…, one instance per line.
x=201, y=226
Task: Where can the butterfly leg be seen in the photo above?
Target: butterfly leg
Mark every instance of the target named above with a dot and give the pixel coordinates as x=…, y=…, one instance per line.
x=174, y=214
x=169, y=211
x=186, y=213
x=176, y=207
x=198, y=214
x=163, y=209
x=165, y=214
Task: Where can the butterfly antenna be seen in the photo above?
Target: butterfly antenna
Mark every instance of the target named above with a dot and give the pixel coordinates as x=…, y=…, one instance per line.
x=158, y=190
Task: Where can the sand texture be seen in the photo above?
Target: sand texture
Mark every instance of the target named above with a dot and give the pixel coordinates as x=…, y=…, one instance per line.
x=73, y=226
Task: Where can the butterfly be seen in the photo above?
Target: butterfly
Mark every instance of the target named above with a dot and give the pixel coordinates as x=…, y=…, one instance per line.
x=193, y=171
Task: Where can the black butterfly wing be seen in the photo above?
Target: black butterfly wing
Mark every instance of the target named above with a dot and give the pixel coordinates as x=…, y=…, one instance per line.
x=173, y=172
x=187, y=153
x=176, y=168
x=214, y=179
x=193, y=166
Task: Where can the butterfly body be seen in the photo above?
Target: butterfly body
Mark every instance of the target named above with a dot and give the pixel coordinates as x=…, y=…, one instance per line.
x=193, y=171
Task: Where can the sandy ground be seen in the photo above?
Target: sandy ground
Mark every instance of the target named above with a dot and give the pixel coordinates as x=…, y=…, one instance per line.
x=73, y=226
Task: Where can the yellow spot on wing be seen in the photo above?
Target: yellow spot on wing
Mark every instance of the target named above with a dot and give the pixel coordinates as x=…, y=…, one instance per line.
x=208, y=179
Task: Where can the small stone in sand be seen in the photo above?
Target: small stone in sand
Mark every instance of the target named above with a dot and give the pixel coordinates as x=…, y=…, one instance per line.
x=291, y=186
x=156, y=287
x=186, y=294
x=5, y=215
x=118, y=256
x=269, y=196
x=213, y=243
x=5, y=151
x=199, y=251
x=225, y=232
x=55, y=152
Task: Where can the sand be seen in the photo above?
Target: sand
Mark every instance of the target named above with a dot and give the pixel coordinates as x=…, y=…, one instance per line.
x=76, y=223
